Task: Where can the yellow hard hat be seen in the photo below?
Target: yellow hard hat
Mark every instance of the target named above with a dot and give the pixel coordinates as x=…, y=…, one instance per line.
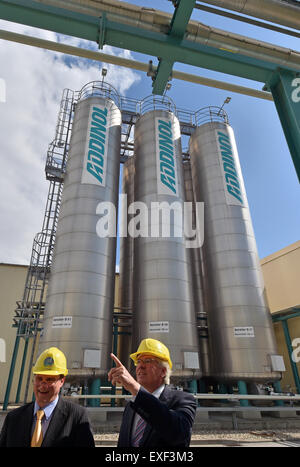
x=152, y=347
x=51, y=362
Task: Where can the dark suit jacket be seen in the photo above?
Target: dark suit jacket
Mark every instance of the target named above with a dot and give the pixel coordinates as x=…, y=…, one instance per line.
x=69, y=427
x=169, y=419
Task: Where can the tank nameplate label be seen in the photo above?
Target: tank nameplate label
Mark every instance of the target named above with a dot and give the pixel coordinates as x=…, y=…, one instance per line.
x=167, y=177
x=244, y=331
x=92, y=358
x=191, y=360
x=159, y=326
x=95, y=156
x=62, y=322
x=231, y=180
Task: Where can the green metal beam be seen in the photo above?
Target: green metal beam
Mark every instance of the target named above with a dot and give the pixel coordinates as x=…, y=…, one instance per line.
x=163, y=75
x=181, y=17
x=285, y=317
x=191, y=53
x=285, y=88
x=178, y=26
x=135, y=39
x=53, y=19
x=159, y=45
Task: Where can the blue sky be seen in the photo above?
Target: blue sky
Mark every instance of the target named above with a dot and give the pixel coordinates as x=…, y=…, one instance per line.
x=35, y=80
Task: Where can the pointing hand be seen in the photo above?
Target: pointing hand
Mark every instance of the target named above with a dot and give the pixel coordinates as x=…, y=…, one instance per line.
x=120, y=375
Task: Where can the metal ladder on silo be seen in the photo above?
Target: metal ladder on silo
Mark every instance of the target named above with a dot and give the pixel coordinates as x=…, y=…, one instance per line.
x=28, y=317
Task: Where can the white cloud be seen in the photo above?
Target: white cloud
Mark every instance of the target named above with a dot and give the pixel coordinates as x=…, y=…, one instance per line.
x=35, y=79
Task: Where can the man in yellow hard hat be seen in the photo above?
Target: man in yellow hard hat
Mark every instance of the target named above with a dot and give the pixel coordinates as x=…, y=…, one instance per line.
x=158, y=416
x=50, y=421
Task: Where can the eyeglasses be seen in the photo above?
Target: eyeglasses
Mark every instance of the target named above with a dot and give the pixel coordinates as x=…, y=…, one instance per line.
x=145, y=361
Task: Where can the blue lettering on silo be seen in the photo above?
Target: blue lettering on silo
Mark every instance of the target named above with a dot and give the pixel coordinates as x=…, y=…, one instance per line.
x=97, y=139
x=231, y=176
x=166, y=155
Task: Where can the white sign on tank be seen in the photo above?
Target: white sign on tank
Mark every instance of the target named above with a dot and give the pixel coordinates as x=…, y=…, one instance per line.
x=231, y=176
x=165, y=158
x=95, y=156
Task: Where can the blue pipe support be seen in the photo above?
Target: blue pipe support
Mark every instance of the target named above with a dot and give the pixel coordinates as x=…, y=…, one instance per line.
x=192, y=385
x=22, y=370
x=11, y=372
x=222, y=389
x=202, y=386
x=243, y=390
x=277, y=388
x=95, y=390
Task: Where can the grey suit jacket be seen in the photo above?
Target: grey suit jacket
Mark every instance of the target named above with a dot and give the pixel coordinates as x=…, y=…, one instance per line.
x=169, y=419
x=69, y=427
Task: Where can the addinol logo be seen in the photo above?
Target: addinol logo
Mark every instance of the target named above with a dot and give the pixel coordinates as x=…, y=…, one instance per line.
x=231, y=177
x=95, y=158
x=165, y=158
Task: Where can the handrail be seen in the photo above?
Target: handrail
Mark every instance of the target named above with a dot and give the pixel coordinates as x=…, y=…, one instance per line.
x=229, y=397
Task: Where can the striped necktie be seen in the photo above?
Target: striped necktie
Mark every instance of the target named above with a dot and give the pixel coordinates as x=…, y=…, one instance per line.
x=139, y=431
x=37, y=437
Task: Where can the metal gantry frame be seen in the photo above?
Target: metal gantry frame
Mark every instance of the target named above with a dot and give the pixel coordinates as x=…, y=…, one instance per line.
x=174, y=39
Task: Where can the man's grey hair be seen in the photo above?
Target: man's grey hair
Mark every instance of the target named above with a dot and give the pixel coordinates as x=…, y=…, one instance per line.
x=166, y=365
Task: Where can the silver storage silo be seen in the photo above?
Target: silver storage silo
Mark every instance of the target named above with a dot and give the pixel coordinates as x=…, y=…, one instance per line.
x=126, y=266
x=197, y=279
x=163, y=301
x=80, y=299
x=241, y=333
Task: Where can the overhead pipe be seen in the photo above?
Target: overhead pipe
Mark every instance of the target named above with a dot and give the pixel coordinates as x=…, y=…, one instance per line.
x=159, y=22
x=274, y=11
x=125, y=62
x=247, y=20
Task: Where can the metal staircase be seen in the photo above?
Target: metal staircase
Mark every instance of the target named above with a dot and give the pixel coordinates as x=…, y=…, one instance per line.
x=29, y=312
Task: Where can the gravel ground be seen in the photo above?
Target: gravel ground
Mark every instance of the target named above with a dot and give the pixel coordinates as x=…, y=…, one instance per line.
x=255, y=435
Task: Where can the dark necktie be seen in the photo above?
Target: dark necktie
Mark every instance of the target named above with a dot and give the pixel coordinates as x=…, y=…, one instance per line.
x=139, y=431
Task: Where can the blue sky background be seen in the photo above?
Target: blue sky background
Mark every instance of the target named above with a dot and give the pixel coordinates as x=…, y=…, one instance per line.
x=35, y=80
